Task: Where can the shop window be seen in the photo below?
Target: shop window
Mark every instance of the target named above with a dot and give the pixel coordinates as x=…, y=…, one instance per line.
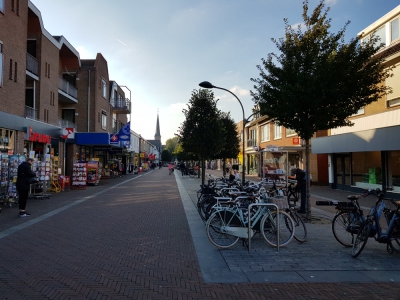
x=265, y=132
x=103, y=120
x=277, y=131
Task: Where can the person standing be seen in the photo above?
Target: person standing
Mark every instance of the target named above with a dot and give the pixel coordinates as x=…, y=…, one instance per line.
x=24, y=174
x=301, y=186
x=182, y=167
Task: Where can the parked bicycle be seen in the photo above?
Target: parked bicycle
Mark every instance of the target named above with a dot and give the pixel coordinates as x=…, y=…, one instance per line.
x=228, y=224
x=371, y=226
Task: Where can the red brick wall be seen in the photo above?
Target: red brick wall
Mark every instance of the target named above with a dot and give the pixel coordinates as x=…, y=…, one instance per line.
x=12, y=94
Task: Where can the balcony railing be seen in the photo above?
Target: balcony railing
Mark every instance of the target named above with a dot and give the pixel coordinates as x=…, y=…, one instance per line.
x=32, y=64
x=66, y=124
x=30, y=113
x=68, y=88
x=251, y=143
x=121, y=104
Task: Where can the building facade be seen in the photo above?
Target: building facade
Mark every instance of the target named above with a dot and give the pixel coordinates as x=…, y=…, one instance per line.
x=367, y=155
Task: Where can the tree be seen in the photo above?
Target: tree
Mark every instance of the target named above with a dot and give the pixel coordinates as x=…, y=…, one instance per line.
x=166, y=155
x=201, y=133
x=318, y=80
x=172, y=144
x=231, y=141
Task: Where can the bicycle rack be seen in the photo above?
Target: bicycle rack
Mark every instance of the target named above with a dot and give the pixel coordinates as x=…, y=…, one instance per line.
x=277, y=221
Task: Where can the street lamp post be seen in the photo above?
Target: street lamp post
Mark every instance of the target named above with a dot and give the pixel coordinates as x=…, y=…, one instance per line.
x=208, y=85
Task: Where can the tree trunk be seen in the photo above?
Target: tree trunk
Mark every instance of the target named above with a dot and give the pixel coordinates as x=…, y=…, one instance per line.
x=308, y=202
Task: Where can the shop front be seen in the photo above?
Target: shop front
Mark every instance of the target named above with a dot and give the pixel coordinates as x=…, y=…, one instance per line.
x=366, y=159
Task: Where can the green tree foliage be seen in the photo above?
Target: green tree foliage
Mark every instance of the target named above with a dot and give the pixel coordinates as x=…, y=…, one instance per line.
x=318, y=80
x=201, y=133
x=166, y=155
x=172, y=144
x=231, y=141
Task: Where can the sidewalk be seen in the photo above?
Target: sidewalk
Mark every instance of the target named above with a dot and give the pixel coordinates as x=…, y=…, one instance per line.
x=320, y=259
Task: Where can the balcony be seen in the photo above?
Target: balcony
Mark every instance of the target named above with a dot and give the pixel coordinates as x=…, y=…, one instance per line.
x=66, y=124
x=30, y=113
x=121, y=106
x=68, y=94
x=32, y=64
x=251, y=143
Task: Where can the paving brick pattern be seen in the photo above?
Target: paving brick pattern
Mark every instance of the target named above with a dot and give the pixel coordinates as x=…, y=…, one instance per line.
x=128, y=238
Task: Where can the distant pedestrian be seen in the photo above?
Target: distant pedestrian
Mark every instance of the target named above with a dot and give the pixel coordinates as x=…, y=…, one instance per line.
x=24, y=175
x=182, y=167
x=170, y=168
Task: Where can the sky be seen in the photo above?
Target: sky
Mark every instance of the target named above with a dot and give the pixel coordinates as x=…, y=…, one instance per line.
x=162, y=49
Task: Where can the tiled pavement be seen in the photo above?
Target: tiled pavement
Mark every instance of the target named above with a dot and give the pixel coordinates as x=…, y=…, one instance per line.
x=139, y=237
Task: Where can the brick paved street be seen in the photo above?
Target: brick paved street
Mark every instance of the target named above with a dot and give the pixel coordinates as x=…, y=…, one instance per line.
x=134, y=238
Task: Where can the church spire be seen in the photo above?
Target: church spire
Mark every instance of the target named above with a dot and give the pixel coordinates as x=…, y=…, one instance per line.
x=157, y=136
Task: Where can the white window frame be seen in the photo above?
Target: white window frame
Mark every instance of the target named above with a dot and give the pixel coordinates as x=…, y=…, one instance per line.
x=382, y=35
x=277, y=132
x=1, y=63
x=393, y=102
x=290, y=132
x=2, y=6
x=104, y=88
x=104, y=120
x=391, y=29
x=265, y=133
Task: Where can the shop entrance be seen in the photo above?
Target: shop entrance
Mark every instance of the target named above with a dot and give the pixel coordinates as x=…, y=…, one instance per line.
x=343, y=171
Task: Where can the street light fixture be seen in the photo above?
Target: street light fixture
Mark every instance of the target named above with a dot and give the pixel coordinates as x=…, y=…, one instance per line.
x=208, y=85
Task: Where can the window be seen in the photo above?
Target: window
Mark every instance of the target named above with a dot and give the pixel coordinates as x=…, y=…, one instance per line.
x=48, y=70
x=104, y=88
x=290, y=132
x=10, y=73
x=103, y=120
x=15, y=71
x=393, y=102
x=277, y=131
x=394, y=29
x=17, y=7
x=2, y=6
x=361, y=111
x=381, y=34
x=1, y=64
x=45, y=70
x=12, y=5
x=265, y=130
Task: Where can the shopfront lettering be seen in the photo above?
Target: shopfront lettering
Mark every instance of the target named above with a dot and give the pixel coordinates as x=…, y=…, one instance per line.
x=39, y=137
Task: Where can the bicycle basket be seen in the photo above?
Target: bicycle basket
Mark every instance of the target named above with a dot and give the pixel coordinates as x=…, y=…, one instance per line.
x=280, y=201
x=346, y=206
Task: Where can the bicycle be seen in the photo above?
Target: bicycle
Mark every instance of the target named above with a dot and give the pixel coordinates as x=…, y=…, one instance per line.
x=227, y=224
x=371, y=227
x=347, y=219
x=193, y=172
x=253, y=171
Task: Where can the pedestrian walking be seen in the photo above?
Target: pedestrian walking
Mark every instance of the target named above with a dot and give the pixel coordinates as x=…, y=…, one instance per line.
x=182, y=167
x=24, y=177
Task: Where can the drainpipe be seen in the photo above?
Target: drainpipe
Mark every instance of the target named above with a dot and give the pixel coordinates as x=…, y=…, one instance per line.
x=88, y=112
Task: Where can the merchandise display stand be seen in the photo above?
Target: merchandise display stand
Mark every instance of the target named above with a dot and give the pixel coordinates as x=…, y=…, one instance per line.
x=9, y=171
x=43, y=169
x=55, y=184
x=79, y=175
x=93, y=173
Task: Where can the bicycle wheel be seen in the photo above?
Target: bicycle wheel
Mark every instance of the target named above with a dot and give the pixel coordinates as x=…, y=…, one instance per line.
x=217, y=227
x=394, y=237
x=202, y=207
x=340, y=226
x=361, y=239
x=300, y=233
x=270, y=232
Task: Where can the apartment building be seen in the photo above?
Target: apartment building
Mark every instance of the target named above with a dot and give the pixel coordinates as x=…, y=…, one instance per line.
x=367, y=155
x=272, y=149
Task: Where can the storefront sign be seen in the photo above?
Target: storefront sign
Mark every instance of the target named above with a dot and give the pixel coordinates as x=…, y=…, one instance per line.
x=38, y=137
x=296, y=141
x=68, y=133
x=141, y=155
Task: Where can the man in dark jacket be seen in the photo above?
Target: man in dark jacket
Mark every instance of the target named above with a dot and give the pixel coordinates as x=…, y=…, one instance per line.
x=24, y=172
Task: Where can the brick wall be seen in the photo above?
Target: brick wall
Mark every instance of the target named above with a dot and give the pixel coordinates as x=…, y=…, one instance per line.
x=12, y=93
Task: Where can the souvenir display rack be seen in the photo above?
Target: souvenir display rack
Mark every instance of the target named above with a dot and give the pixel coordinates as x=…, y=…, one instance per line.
x=9, y=171
x=93, y=172
x=43, y=171
x=55, y=183
x=79, y=175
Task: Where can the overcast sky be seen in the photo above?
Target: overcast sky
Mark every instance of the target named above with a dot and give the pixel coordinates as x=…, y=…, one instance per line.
x=162, y=49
